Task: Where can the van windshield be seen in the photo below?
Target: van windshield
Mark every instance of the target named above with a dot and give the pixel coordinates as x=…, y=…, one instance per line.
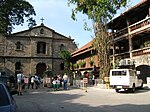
x=119, y=73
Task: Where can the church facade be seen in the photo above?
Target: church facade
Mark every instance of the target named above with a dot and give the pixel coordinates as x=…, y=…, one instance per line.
x=35, y=50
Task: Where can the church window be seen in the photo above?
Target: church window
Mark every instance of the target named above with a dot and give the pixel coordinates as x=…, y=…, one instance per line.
x=42, y=31
x=18, y=66
x=62, y=66
x=62, y=47
x=19, y=46
x=41, y=48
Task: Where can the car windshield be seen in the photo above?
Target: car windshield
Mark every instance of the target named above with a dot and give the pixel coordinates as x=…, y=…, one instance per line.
x=3, y=96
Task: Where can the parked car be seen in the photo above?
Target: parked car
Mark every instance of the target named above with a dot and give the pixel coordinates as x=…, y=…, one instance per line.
x=7, y=102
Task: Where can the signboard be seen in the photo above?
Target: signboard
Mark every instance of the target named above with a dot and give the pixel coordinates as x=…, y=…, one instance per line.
x=85, y=80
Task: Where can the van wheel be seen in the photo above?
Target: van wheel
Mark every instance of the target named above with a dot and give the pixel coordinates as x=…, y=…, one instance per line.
x=117, y=90
x=141, y=86
x=132, y=90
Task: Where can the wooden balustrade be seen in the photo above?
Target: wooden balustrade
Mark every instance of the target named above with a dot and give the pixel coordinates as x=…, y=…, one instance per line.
x=141, y=52
x=140, y=24
x=132, y=27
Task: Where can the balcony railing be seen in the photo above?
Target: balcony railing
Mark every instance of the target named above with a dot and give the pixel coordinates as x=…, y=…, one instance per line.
x=140, y=24
x=121, y=55
x=141, y=51
x=120, y=32
x=136, y=27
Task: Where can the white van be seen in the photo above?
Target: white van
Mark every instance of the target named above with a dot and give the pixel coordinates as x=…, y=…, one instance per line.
x=126, y=79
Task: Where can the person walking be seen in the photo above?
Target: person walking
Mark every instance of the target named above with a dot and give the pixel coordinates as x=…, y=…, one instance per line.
x=65, y=79
x=20, y=82
x=32, y=82
x=36, y=80
x=29, y=81
x=93, y=79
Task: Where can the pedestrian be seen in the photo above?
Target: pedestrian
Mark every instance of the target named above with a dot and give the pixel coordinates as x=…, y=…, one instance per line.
x=29, y=81
x=12, y=81
x=32, y=82
x=93, y=79
x=65, y=80
x=57, y=84
x=36, y=80
x=20, y=82
x=54, y=84
x=60, y=79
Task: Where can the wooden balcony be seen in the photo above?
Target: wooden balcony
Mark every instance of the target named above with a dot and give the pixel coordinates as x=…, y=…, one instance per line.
x=140, y=52
x=141, y=25
x=134, y=28
x=121, y=55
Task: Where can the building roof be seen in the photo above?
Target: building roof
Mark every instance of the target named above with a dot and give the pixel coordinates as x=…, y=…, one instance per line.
x=87, y=47
x=129, y=12
x=39, y=26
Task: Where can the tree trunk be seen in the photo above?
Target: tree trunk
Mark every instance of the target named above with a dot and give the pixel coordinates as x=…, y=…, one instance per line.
x=102, y=45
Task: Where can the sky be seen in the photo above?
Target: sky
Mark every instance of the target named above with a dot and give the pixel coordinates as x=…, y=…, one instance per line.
x=57, y=16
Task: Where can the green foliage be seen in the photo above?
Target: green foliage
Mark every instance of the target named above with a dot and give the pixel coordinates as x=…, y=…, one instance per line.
x=14, y=12
x=96, y=9
x=91, y=62
x=82, y=64
x=99, y=11
x=75, y=65
x=147, y=43
x=66, y=56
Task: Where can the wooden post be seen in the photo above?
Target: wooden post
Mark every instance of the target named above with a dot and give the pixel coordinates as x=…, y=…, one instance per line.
x=129, y=39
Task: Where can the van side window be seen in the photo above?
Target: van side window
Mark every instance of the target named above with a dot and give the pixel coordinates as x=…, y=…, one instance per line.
x=119, y=73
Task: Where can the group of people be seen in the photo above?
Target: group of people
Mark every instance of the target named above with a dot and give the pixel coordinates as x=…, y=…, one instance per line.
x=34, y=82
x=58, y=81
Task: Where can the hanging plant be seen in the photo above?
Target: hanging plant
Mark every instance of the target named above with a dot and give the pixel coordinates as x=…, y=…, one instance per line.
x=147, y=43
x=82, y=64
x=91, y=62
x=76, y=65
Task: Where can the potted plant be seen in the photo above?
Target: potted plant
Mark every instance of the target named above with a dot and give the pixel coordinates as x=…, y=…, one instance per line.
x=75, y=65
x=147, y=43
x=82, y=64
x=91, y=62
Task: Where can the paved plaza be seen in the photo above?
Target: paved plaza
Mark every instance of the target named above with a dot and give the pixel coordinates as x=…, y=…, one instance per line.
x=78, y=100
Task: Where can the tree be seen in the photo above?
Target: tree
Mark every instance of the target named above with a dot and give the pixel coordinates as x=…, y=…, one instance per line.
x=66, y=56
x=100, y=12
x=13, y=12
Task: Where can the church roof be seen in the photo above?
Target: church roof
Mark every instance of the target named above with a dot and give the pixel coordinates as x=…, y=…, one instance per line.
x=31, y=33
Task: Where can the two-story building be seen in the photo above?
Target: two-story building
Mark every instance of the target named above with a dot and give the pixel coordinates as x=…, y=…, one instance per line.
x=130, y=38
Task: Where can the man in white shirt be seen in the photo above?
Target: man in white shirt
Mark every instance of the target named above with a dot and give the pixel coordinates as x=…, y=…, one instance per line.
x=65, y=78
x=20, y=79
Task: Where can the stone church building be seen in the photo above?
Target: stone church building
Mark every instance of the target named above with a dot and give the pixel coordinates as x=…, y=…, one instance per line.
x=35, y=50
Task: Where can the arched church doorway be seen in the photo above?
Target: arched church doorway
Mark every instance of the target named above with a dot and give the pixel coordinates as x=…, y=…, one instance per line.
x=144, y=72
x=40, y=69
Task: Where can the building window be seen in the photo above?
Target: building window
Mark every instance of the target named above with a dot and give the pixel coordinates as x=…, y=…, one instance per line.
x=19, y=46
x=42, y=31
x=62, y=66
x=18, y=66
x=41, y=48
x=62, y=47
